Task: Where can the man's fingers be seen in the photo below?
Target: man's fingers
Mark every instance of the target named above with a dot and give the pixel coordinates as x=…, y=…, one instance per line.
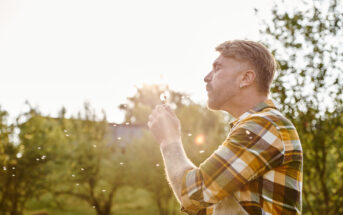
x=170, y=111
x=167, y=107
x=151, y=123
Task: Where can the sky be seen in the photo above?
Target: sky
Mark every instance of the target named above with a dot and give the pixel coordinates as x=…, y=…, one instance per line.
x=67, y=52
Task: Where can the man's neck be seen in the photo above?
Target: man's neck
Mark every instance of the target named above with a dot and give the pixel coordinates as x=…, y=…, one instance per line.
x=242, y=105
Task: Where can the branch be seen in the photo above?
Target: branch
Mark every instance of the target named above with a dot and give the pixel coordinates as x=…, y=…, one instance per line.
x=70, y=193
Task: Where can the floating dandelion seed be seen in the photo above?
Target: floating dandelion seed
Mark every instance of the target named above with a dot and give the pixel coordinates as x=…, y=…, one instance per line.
x=82, y=169
x=13, y=175
x=114, y=125
x=38, y=147
x=157, y=164
x=43, y=157
x=65, y=130
x=248, y=132
x=103, y=190
x=37, y=159
x=67, y=135
x=19, y=155
x=201, y=151
x=121, y=163
x=93, y=206
x=94, y=146
x=13, y=167
x=77, y=184
x=119, y=138
x=127, y=123
x=189, y=134
x=250, y=137
x=72, y=175
x=4, y=168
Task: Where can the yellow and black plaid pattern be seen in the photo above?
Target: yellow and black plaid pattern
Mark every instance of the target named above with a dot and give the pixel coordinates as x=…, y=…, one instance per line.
x=259, y=163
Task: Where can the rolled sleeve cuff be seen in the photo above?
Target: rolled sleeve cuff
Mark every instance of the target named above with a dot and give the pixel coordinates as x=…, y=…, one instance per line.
x=203, y=211
x=189, y=188
x=198, y=212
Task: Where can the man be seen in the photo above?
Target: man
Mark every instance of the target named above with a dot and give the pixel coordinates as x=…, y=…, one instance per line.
x=258, y=167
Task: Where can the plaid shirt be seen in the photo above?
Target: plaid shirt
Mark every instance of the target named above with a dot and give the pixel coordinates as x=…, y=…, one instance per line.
x=259, y=163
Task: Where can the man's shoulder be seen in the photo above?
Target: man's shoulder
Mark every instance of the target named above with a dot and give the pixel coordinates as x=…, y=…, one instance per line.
x=273, y=116
x=283, y=127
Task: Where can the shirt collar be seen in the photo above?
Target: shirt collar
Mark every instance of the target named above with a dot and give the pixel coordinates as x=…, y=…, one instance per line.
x=268, y=103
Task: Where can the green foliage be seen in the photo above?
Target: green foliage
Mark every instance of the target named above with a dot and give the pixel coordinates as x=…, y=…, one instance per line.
x=29, y=161
x=92, y=172
x=307, y=43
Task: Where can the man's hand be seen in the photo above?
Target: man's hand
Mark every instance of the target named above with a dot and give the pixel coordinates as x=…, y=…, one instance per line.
x=164, y=124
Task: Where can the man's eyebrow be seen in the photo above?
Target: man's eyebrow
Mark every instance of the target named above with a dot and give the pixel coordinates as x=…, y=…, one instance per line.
x=216, y=64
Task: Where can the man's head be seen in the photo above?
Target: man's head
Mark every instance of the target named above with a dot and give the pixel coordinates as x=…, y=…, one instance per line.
x=244, y=70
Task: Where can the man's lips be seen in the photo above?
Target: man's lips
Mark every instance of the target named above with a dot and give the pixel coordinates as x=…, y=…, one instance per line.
x=208, y=88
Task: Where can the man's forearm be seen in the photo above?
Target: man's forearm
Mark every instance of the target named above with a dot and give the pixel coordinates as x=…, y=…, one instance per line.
x=176, y=163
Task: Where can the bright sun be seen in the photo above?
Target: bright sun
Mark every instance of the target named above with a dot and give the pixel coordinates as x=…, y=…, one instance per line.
x=200, y=139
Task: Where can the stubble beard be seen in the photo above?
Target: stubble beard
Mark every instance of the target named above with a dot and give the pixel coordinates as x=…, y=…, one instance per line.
x=213, y=103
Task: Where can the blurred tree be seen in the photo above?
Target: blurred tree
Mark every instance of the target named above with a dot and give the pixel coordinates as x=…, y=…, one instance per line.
x=28, y=162
x=307, y=42
x=145, y=169
x=5, y=131
x=93, y=171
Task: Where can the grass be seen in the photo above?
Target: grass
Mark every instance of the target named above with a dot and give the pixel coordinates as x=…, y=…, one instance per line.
x=127, y=201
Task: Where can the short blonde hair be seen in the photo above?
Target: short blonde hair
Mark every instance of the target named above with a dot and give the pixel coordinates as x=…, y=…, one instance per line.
x=257, y=55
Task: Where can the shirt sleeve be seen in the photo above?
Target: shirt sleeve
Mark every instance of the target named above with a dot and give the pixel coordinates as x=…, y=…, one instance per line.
x=252, y=148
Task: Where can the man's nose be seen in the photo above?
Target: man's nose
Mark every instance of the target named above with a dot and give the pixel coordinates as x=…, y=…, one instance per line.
x=208, y=77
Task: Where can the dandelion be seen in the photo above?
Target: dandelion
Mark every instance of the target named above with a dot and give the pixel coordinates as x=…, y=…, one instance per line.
x=201, y=151
x=157, y=164
x=163, y=97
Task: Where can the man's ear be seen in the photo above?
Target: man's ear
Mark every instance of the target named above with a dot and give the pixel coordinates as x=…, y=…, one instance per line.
x=248, y=78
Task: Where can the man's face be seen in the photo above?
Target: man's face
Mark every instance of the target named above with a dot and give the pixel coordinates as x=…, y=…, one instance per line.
x=222, y=83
